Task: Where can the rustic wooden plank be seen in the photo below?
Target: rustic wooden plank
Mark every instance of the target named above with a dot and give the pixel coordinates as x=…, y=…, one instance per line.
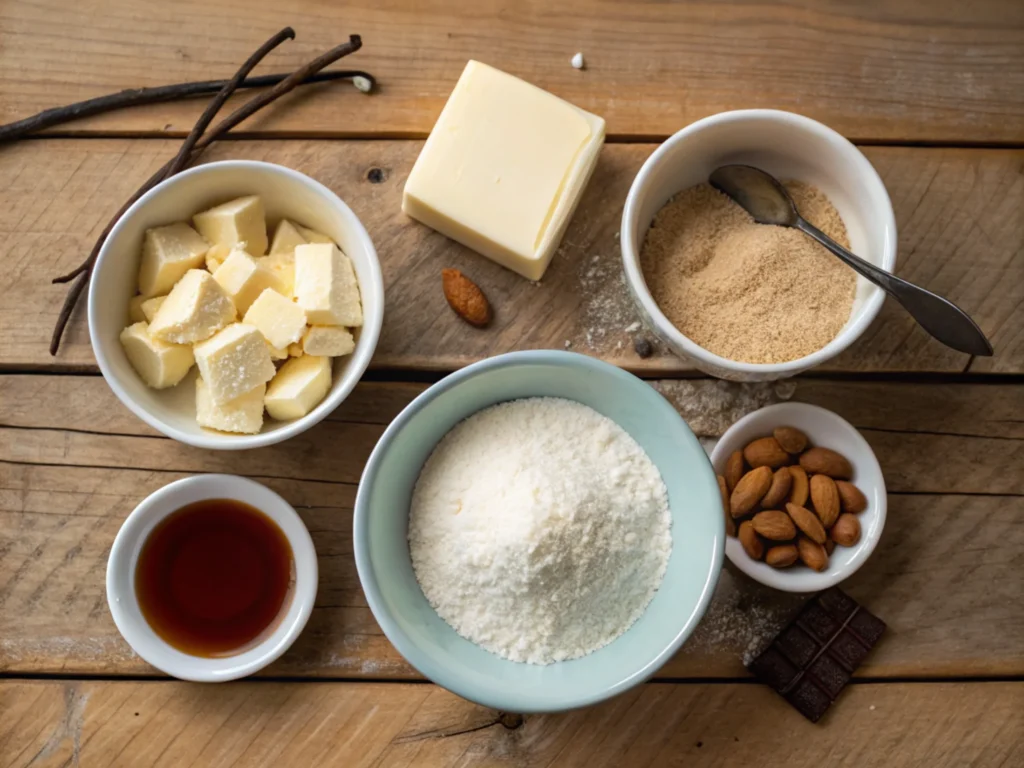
x=945, y=576
x=885, y=71
x=957, y=211
x=363, y=724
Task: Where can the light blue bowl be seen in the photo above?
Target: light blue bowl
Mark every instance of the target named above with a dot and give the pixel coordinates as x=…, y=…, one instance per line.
x=428, y=643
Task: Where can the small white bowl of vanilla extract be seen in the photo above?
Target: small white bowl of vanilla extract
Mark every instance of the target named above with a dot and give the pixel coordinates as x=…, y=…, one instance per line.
x=212, y=578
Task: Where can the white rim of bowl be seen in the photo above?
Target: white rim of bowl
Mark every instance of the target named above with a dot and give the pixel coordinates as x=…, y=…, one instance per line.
x=372, y=322
x=132, y=535
x=638, y=286
x=780, y=579
x=368, y=580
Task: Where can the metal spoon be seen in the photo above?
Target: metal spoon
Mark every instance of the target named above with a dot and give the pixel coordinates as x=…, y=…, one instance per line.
x=767, y=201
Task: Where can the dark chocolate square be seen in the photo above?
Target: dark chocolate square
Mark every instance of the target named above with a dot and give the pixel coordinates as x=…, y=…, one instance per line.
x=812, y=659
x=848, y=651
x=809, y=700
x=774, y=669
x=820, y=624
x=829, y=675
x=797, y=645
x=838, y=603
x=868, y=627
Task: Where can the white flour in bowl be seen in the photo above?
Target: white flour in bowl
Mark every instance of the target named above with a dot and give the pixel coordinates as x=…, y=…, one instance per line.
x=539, y=530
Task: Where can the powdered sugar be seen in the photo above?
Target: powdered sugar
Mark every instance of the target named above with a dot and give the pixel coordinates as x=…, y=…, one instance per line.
x=539, y=530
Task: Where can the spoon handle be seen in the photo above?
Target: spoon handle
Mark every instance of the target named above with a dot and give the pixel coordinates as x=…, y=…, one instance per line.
x=938, y=316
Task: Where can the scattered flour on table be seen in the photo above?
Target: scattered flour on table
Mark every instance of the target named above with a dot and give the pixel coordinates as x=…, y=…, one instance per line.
x=539, y=530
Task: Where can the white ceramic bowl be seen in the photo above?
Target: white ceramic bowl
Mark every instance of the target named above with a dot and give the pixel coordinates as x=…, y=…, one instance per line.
x=124, y=556
x=788, y=146
x=826, y=429
x=286, y=194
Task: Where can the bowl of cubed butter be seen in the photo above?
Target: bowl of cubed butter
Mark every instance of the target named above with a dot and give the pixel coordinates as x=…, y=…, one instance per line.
x=235, y=305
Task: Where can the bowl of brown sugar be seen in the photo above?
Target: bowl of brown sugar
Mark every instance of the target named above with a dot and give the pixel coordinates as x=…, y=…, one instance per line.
x=748, y=301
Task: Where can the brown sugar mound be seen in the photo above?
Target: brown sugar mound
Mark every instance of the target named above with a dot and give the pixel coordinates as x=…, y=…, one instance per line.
x=748, y=292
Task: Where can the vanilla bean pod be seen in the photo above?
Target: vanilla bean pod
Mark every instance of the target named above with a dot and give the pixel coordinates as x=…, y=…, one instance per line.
x=135, y=97
x=244, y=112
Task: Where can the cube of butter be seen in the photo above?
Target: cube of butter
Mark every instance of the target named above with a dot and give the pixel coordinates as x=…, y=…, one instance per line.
x=280, y=320
x=135, y=313
x=243, y=414
x=503, y=169
x=325, y=285
x=216, y=255
x=282, y=265
x=286, y=237
x=160, y=364
x=244, y=278
x=167, y=254
x=234, y=361
x=298, y=387
x=150, y=306
x=237, y=222
x=195, y=309
x=312, y=236
x=328, y=341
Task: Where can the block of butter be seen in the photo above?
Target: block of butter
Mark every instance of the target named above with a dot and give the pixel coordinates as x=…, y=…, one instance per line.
x=504, y=168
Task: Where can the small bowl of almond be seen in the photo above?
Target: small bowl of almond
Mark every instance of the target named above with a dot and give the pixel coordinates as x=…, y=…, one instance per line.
x=803, y=496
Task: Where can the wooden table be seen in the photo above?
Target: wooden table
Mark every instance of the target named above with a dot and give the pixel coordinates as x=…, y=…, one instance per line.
x=934, y=91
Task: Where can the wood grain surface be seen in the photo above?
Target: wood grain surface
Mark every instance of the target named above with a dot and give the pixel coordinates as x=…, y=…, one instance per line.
x=901, y=70
x=957, y=212
x=108, y=724
x=946, y=576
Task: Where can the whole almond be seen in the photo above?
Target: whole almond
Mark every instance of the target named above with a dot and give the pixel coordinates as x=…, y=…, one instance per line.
x=807, y=522
x=812, y=554
x=846, y=531
x=751, y=543
x=791, y=439
x=823, y=461
x=465, y=298
x=779, y=489
x=799, y=491
x=782, y=556
x=825, y=499
x=850, y=497
x=730, y=526
x=774, y=524
x=749, y=491
x=765, y=452
x=733, y=469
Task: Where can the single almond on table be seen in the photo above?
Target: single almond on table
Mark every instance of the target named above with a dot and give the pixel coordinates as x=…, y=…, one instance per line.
x=823, y=461
x=748, y=538
x=791, y=439
x=733, y=469
x=846, y=531
x=765, y=452
x=465, y=298
x=749, y=491
x=798, y=492
x=782, y=480
x=774, y=524
x=812, y=554
x=807, y=522
x=730, y=526
x=825, y=499
x=782, y=556
x=850, y=497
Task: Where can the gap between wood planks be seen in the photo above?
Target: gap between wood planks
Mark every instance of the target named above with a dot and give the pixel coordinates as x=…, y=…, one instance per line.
x=420, y=136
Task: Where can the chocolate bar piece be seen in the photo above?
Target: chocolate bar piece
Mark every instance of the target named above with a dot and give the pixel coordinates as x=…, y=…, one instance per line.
x=812, y=659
